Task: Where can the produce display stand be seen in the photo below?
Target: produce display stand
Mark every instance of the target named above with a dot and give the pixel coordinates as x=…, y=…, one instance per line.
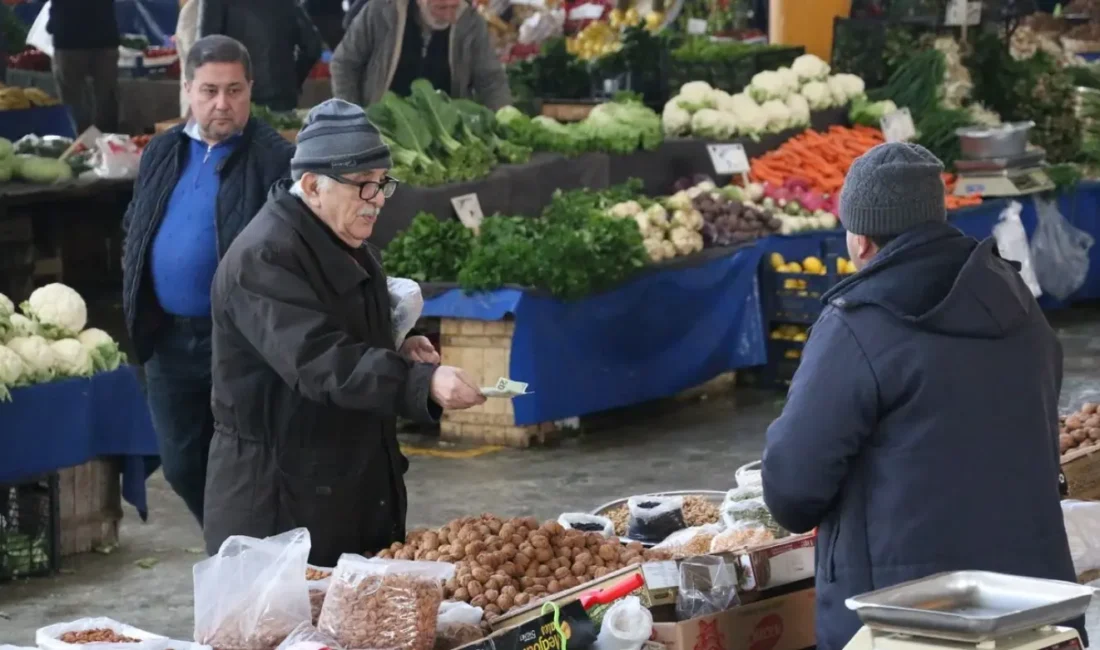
x=90, y=505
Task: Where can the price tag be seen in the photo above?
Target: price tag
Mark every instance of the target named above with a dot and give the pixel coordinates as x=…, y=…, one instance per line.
x=587, y=12
x=961, y=12
x=468, y=209
x=898, y=126
x=697, y=26
x=728, y=159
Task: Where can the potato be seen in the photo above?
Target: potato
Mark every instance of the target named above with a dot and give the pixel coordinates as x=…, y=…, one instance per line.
x=1074, y=422
x=518, y=539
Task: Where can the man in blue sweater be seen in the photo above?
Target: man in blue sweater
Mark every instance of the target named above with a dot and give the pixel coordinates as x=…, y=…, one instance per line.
x=199, y=184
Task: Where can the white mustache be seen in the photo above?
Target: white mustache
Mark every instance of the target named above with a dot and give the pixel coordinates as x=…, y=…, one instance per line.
x=368, y=211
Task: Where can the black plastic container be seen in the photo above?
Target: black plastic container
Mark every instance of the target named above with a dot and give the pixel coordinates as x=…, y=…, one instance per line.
x=30, y=528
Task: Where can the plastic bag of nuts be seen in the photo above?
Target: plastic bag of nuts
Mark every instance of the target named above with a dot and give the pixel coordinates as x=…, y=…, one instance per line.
x=253, y=593
x=458, y=624
x=307, y=637
x=384, y=604
x=104, y=633
x=689, y=542
x=318, y=580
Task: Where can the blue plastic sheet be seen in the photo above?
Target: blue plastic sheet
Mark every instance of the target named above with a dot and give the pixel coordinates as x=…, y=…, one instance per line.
x=153, y=19
x=41, y=121
x=659, y=334
x=65, y=423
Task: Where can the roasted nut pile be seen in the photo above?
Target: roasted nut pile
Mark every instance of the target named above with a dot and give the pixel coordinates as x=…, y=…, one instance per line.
x=697, y=542
x=392, y=611
x=507, y=563
x=735, y=539
x=235, y=632
x=697, y=512
x=314, y=574
x=101, y=635
x=456, y=636
x=1080, y=429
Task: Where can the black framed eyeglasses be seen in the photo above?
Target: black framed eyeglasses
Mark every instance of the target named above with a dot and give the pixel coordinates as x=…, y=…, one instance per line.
x=370, y=189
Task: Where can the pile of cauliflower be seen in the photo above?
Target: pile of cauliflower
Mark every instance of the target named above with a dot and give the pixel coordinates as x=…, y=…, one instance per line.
x=775, y=101
x=664, y=235
x=48, y=341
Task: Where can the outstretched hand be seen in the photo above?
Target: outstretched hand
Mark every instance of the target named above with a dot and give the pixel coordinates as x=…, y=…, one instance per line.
x=420, y=349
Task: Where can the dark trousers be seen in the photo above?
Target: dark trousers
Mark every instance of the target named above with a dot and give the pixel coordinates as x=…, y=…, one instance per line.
x=72, y=69
x=177, y=386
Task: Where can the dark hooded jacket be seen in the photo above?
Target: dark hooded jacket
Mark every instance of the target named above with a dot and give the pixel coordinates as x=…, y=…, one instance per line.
x=920, y=433
x=307, y=387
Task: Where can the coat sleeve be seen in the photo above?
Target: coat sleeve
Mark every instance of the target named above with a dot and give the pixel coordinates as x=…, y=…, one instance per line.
x=310, y=44
x=831, y=409
x=279, y=314
x=349, y=59
x=489, y=78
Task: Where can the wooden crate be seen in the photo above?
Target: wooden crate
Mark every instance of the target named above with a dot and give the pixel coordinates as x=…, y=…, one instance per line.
x=91, y=506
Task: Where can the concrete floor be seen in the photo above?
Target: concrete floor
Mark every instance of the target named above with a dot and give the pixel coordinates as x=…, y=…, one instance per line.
x=699, y=446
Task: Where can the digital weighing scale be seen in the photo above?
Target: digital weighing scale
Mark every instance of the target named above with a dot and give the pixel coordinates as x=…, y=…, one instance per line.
x=971, y=610
x=997, y=177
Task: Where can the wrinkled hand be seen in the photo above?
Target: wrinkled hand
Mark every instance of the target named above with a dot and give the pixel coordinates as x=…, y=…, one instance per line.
x=453, y=389
x=419, y=348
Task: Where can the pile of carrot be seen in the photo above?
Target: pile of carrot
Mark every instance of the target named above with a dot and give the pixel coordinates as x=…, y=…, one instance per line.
x=821, y=158
x=824, y=158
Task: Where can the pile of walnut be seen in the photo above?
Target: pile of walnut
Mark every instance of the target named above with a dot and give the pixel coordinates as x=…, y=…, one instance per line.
x=1080, y=429
x=507, y=563
x=698, y=511
x=99, y=635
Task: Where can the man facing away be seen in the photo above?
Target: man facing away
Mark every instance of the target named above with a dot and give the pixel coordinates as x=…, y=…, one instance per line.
x=920, y=433
x=198, y=185
x=86, y=40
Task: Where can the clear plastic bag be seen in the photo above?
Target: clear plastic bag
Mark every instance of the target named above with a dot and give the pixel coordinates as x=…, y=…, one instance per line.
x=744, y=493
x=1059, y=250
x=689, y=542
x=1083, y=530
x=739, y=536
x=307, y=637
x=1012, y=245
x=116, y=156
x=708, y=585
x=654, y=518
x=587, y=523
x=626, y=625
x=253, y=593
x=317, y=581
x=384, y=604
x=748, y=474
x=458, y=624
x=406, y=305
x=80, y=634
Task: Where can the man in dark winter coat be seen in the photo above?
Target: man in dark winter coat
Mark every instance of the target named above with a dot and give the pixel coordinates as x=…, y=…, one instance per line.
x=308, y=377
x=920, y=433
x=85, y=40
x=197, y=187
x=280, y=37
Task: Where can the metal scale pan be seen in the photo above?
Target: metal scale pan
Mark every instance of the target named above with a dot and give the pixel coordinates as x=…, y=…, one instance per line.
x=971, y=606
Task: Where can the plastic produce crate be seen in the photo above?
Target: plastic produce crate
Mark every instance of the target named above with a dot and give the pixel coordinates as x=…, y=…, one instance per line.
x=730, y=75
x=796, y=297
x=29, y=528
x=783, y=360
x=773, y=58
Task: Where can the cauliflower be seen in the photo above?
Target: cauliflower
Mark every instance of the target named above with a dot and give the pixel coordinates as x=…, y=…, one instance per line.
x=800, y=110
x=58, y=309
x=741, y=102
x=790, y=80
x=654, y=249
x=20, y=325
x=7, y=307
x=104, y=350
x=810, y=68
x=683, y=240
x=658, y=217
x=679, y=201
x=644, y=225
x=768, y=85
x=752, y=122
x=710, y=123
x=675, y=120
x=13, y=372
x=695, y=95
x=624, y=209
x=37, y=355
x=845, y=88
x=754, y=191
x=778, y=115
x=724, y=102
x=669, y=249
x=818, y=95
x=73, y=359
x=691, y=220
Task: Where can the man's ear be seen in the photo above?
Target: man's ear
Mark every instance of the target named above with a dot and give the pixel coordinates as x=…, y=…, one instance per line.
x=187, y=86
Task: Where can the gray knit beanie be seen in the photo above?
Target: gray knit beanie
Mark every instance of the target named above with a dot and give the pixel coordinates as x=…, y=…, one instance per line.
x=892, y=188
x=337, y=138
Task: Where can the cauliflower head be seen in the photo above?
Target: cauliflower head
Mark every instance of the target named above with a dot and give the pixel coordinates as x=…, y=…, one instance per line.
x=778, y=115
x=7, y=307
x=675, y=120
x=846, y=87
x=58, y=309
x=810, y=68
x=73, y=359
x=13, y=372
x=800, y=110
x=769, y=84
x=37, y=355
x=710, y=123
x=104, y=350
x=695, y=95
x=818, y=95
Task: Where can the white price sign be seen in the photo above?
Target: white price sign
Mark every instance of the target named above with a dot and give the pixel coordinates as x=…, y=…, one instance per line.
x=728, y=159
x=468, y=209
x=697, y=26
x=898, y=126
x=961, y=12
x=586, y=12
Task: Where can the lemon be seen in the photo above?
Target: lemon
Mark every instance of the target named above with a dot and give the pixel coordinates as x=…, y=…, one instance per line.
x=631, y=17
x=812, y=265
x=799, y=338
x=794, y=267
x=654, y=20
x=777, y=335
x=776, y=260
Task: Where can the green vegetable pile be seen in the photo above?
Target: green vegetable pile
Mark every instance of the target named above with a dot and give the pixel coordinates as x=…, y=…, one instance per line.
x=280, y=121
x=572, y=251
x=434, y=139
x=622, y=126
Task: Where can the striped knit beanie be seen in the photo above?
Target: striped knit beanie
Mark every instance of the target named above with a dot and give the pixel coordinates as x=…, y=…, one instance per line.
x=337, y=138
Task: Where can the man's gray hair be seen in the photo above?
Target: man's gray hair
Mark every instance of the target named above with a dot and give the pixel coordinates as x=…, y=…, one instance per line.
x=322, y=183
x=216, y=48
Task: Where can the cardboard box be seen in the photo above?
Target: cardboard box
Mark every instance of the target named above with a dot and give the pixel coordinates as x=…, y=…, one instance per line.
x=1081, y=468
x=781, y=623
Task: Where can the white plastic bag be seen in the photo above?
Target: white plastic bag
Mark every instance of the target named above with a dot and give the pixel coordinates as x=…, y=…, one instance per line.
x=748, y=474
x=37, y=34
x=253, y=593
x=458, y=613
x=626, y=625
x=116, y=156
x=50, y=637
x=1083, y=530
x=1012, y=245
x=587, y=523
x=1059, y=250
x=307, y=637
x=406, y=305
x=654, y=518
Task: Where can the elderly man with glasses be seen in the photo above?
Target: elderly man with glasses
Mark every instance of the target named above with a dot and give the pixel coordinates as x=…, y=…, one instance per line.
x=308, y=378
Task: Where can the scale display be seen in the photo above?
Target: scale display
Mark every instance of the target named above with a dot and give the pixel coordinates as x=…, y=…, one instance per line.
x=1003, y=184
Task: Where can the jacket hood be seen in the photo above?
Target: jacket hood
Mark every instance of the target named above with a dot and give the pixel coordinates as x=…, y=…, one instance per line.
x=940, y=280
